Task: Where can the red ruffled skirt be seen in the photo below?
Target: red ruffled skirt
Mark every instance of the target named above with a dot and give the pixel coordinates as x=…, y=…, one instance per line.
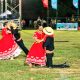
x=36, y=54
x=8, y=47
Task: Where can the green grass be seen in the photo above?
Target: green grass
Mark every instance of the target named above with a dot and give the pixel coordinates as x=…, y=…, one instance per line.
x=67, y=48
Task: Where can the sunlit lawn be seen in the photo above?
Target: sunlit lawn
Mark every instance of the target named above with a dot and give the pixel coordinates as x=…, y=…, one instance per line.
x=67, y=49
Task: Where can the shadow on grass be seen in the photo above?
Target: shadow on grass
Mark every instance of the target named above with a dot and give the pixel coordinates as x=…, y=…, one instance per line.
x=61, y=41
x=64, y=65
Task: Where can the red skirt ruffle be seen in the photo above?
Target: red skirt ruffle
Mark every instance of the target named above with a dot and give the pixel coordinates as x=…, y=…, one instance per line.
x=36, y=54
x=7, y=47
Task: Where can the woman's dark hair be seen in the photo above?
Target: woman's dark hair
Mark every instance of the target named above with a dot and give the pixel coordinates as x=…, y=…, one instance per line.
x=37, y=27
x=5, y=23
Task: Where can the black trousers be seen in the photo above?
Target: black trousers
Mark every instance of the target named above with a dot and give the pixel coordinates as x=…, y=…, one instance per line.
x=22, y=46
x=49, y=62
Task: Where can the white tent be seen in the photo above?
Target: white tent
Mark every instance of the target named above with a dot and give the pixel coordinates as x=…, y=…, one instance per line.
x=6, y=13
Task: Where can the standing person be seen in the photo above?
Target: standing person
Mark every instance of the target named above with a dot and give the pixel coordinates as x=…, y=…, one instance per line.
x=23, y=23
x=39, y=21
x=17, y=37
x=49, y=45
x=8, y=47
x=36, y=54
x=30, y=23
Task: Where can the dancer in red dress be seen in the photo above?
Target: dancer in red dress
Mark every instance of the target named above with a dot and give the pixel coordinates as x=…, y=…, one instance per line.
x=36, y=54
x=8, y=47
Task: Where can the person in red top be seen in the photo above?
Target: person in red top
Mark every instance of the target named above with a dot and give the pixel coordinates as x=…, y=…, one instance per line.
x=36, y=54
x=8, y=47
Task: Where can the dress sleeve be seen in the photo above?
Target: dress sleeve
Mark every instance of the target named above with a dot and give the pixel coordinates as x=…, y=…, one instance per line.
x=35, y=35
x=4, y=32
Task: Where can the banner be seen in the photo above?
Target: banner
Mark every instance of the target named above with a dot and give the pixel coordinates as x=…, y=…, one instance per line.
x=75, y=3
x=67, y=26
x=45, y=3
x=54, y=4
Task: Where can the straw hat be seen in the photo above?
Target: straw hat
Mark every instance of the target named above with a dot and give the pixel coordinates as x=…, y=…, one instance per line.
x=48, y=31
x=12, y=24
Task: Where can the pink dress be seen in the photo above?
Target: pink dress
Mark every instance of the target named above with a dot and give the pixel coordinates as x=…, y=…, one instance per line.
x=37, y=54
x=8, y=47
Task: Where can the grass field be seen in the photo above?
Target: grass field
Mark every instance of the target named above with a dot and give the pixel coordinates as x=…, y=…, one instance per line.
x=67, y=48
